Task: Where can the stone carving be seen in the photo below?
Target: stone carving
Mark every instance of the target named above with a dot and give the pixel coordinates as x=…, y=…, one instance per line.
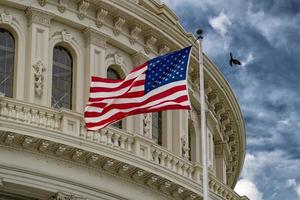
x=116, y=59
x=65, y=35
x=39, y=70
x=118, y=23
x=95, y=37
x=5, y=18
x=9, y=138
x=135, y=30
x=82, y=8
x=62, y=5
x=149, y=42
x=38, y=16
x=100, y=17
x=185, y=146
x=163, y=49
x=27, y=142
x=64, y=196
x=42, y=2
x=147, y=119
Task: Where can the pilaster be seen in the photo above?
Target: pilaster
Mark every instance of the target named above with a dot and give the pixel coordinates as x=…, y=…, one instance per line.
x=180, y=130
x=95, y=55
x=37, y=56
x=220, y=161
x=141, y=124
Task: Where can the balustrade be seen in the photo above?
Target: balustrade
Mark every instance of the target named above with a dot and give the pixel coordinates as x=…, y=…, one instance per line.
x=47, y=118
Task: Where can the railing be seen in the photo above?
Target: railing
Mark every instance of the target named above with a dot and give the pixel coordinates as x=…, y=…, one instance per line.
x=70, y=123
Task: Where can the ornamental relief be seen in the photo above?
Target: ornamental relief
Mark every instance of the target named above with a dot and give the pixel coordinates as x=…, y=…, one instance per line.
x=65, y=36
x=39, y=70
x=5, y=18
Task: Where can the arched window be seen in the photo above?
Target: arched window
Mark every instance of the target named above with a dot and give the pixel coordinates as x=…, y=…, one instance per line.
x=157, y=127
x=62, y=73
x=113, y=74
x=7, y=52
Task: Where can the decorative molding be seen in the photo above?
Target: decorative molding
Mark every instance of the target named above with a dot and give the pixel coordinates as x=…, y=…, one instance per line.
x=118, y=23
x=150, y=40
x=82, y=8
x=65, y=35
x=139, y=58
x=134, y=32
x=163, y=48
x=116, y=59
x=95, y=37
x=100, y=17
x=38, y=16
x=62, y=5
x=147, y=125
x=39, y=69
x=5, y=18
x=42, y=2
x=64, y=196
x=185, y=146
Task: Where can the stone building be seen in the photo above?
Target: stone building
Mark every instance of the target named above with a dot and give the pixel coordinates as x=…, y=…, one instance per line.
x=48, y=51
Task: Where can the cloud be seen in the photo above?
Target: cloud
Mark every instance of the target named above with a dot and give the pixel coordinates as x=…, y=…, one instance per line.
x=220, y=23
x=248, y=60
x=247, y=188
x=293, y=184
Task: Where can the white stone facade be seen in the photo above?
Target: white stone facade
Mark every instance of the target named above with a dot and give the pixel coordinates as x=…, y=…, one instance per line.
x=46, y=153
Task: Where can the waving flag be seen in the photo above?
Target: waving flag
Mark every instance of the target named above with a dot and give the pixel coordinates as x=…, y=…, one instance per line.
x=159, y=84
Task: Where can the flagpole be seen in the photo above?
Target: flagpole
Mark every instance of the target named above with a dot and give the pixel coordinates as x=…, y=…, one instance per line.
x=203, y=122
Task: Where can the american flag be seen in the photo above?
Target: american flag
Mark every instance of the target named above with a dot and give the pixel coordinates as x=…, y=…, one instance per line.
x=159, y=84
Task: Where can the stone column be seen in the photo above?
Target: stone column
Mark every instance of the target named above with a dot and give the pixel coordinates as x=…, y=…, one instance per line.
x=180, y=129
x=196, y=147
x=142, y=122
x=220, y=166
x=37, y=56
x=95, y=56
x=167, y=135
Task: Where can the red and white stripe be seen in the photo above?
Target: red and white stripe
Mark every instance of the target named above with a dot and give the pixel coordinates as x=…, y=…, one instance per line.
x=111, y=100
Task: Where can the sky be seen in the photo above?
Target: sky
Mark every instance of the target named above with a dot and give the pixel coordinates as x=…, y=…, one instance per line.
x=265, y=36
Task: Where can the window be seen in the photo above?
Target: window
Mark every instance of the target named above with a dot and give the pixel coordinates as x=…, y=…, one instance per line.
x=7, y=52
x=62, y=73
x=157, y=127
x=113, y=74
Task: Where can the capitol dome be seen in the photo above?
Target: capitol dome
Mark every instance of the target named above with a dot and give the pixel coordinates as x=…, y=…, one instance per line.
x=49, y=49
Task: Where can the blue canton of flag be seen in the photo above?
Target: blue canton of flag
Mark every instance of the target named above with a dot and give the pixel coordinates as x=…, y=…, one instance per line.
x=166, y=69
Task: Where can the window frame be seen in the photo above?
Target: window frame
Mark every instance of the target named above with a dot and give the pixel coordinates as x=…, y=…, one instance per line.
x=14, y=51
x=73, y=89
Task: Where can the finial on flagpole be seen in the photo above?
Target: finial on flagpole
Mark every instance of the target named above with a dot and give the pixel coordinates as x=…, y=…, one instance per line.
x=199, y=33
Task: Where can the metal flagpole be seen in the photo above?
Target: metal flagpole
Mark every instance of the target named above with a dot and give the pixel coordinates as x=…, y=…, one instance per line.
x=203, y=121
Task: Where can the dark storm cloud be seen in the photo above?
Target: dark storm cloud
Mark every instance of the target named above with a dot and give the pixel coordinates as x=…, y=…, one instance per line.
x=265, y=35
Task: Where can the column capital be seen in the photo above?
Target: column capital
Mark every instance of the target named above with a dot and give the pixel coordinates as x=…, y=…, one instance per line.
x=95, y=37
x=38, y=16
x=139, y=58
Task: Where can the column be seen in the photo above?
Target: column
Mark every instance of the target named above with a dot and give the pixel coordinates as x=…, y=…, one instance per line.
x=141, y=123
x=220, y=161
x=167, y=135
x=180, y=130
x=37, y=56
x=95, y=56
